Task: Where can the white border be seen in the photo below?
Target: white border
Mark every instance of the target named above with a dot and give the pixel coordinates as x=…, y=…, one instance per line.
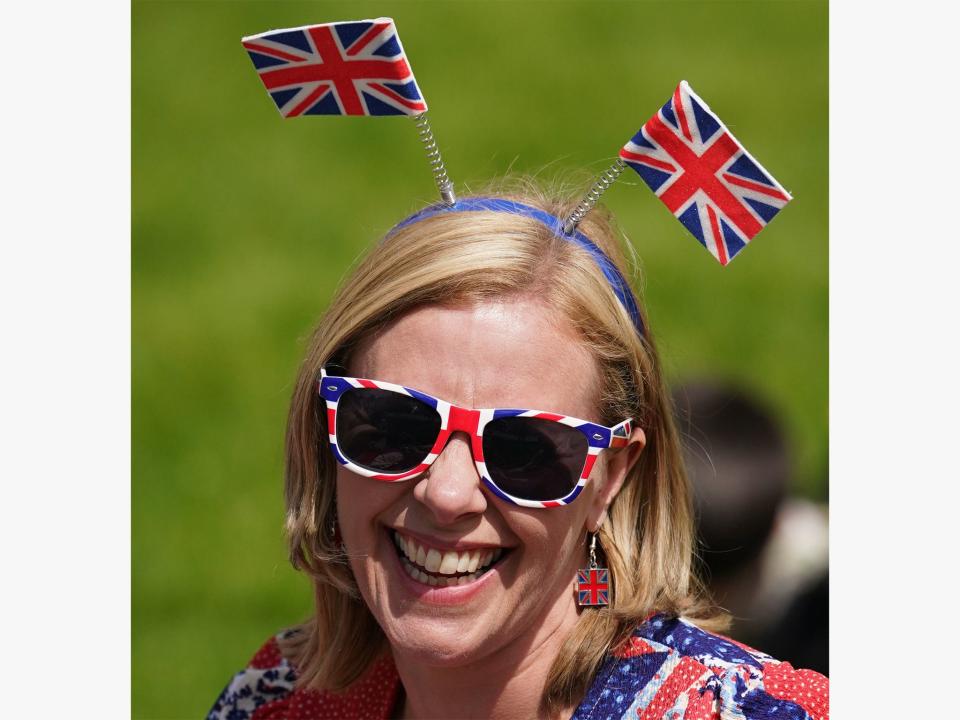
x=65, y=299
x=893, y=360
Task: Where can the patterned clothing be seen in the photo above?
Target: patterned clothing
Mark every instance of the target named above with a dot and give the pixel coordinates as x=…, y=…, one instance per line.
x=669, y=670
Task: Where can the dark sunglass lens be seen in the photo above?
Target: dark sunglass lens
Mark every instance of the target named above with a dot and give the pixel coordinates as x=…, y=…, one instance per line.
x=533, y=458
x=385, y=431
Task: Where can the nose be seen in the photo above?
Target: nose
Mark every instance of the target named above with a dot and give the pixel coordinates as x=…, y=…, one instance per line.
x=450, y=489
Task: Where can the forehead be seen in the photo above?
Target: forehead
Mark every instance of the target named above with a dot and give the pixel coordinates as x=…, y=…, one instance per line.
x=499, y=353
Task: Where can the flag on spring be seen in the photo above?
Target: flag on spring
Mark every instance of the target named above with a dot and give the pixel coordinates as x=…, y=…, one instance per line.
x=706, y=178
x=340, y=68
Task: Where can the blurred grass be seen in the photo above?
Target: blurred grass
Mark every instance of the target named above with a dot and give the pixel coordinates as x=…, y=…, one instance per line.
x=243, y=224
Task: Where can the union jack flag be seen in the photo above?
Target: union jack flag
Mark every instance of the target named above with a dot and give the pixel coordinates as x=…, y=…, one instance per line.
x=593, y=587
x=706, y=178
x=341, y=68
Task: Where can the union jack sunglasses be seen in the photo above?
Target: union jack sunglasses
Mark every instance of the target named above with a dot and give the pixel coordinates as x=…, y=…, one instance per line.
x=527, y=457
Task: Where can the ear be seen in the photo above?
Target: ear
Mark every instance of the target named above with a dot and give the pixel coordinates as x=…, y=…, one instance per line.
x=619, y=462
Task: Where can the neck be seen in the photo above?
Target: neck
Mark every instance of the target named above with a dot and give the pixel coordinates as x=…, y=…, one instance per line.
x=505, y=684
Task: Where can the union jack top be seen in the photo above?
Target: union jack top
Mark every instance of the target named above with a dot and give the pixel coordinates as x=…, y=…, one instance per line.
x=339, y=68
x=706, y=178
x=669, y=668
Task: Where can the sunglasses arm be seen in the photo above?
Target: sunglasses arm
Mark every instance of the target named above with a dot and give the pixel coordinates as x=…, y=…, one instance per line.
x=620, y=434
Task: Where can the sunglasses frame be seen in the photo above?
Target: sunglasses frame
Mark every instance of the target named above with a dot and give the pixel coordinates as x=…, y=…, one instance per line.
x=454, y=418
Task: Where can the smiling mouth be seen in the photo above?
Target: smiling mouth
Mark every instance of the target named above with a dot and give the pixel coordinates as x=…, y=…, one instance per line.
x=443, y=568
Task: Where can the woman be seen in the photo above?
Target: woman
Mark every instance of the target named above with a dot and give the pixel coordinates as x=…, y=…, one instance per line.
x=444, y=543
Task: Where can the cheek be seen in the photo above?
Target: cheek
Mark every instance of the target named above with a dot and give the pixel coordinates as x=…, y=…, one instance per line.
x=364, y=505
x=357, y=506
x=553, y=540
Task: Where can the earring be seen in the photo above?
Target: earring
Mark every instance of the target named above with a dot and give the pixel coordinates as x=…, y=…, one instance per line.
x=593, y=582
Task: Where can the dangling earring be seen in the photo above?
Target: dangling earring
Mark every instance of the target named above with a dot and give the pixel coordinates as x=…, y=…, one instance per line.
x=593, y=582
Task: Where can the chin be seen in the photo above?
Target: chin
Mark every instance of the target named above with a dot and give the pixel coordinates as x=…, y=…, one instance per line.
x=446, y=624
x=437, y=643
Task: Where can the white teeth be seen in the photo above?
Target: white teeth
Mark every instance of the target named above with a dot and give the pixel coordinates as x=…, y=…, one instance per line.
x=448, y=566
x=411, y=570
x=435, y=581
x=433, y=560
x=449, y=562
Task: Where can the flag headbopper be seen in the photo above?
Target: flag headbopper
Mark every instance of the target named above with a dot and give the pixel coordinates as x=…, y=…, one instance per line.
x=701, y=172
x=344, y=68
x=684, y=153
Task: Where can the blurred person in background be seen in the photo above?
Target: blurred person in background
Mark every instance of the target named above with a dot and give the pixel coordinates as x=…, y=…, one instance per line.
x=764, y=550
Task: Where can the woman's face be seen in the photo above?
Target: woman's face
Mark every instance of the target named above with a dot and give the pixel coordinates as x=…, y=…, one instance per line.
x=514, y=353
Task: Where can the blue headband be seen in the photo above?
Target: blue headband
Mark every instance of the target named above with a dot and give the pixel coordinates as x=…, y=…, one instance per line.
x=617, y=282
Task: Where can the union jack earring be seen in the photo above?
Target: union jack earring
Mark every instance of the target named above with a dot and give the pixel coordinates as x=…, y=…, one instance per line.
x=593, y=582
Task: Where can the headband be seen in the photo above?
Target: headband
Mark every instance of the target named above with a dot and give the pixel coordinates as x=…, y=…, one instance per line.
x=555, y=225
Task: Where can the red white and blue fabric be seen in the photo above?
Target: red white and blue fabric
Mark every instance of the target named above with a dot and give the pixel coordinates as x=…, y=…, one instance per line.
x=340, y=68
x=459, y=419
x=593, y=586
x=704, y=176
x=668, y=668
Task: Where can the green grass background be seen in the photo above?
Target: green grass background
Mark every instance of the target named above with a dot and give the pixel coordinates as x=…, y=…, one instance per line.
x=243, y=224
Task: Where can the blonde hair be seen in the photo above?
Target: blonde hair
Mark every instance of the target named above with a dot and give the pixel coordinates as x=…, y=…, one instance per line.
x=648, y=537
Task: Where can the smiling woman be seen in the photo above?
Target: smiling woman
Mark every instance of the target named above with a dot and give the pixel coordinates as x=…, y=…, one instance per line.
x=484, y=482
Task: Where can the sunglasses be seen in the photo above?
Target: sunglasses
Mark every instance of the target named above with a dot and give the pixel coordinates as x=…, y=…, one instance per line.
x=527, y=457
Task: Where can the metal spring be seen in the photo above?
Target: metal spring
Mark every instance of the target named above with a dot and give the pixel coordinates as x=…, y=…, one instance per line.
x=607, y=178
x=444, y=185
